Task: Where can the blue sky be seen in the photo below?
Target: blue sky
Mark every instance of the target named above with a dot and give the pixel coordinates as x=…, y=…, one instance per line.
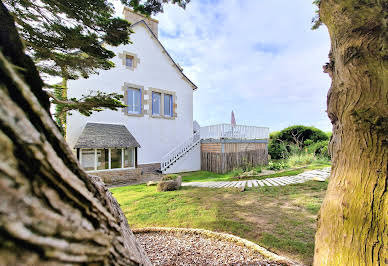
x=259, y=58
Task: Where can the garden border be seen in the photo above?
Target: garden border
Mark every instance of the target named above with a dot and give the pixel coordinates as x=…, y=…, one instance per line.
x=220, y=236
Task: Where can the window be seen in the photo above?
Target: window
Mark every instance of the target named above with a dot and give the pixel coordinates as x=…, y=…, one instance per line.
x=102, y=159
x=134, y=101
x=105, y=159
x=156, y=96
x=115, y=158
x=168, y=105
x=88, y=159
x=129, y=61
x=129, y=158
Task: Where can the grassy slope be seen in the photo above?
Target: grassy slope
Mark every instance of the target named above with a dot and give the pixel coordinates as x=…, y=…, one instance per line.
x=203, y=176
x=281, y=219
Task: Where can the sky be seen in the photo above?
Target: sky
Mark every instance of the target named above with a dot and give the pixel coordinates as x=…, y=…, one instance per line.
x=259, y=58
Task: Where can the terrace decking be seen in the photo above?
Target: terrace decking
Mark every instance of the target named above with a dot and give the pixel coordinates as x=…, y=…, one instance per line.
x=225, y=147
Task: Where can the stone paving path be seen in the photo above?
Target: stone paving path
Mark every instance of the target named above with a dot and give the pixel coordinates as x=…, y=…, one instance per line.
x=319, y=175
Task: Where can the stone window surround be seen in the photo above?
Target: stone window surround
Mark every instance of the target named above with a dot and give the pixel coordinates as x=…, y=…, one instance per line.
x=135, y=59
x=148, y=101
x=125, y=88
x=162, y=92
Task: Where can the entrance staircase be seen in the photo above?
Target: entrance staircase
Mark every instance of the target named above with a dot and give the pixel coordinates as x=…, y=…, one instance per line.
x=179, y=153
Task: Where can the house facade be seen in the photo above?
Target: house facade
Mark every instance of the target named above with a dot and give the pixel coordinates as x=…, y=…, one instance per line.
x=159, y=116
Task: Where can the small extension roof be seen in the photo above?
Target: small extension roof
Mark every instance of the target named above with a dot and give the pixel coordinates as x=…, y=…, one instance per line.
x=96, y=135
x=164, y=49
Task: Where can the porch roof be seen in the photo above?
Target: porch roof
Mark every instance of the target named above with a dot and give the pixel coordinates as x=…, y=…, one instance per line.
x=96, y=135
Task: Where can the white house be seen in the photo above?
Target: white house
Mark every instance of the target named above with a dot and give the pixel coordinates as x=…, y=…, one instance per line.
x=158, y=121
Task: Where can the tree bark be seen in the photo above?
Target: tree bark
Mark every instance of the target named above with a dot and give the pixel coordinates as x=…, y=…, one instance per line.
x=353, y=222
x=51, y=211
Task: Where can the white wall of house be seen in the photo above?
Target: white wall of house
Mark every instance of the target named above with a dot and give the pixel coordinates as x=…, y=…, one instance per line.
x=157, y=136
x=189, y=162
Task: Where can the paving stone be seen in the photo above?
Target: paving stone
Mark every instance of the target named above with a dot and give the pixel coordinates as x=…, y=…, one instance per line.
x=249, y=183
x=260, y=183
x=267, y=183
x=277, y=182
x=272, y=182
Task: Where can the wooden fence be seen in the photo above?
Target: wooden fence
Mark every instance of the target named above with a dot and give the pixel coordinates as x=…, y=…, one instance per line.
x=224, y=162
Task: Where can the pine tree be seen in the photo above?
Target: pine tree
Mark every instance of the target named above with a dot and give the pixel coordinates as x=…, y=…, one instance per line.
x=66, y=39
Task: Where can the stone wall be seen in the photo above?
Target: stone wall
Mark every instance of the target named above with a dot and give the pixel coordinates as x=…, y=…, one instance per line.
x=151, y=168
x=127, y=176
x=119, y=176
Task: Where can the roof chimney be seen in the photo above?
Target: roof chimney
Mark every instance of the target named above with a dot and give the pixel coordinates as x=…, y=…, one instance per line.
x=133, y=17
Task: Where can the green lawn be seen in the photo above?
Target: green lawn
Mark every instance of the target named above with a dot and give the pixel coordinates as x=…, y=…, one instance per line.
x=282, y=219
x=203, y=176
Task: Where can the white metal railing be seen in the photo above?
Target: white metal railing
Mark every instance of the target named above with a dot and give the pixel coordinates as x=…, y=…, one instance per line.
x=229, y=131
x=179, y=151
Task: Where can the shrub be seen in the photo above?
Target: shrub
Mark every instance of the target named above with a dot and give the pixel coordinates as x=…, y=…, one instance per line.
x=237, y=172
x=319, y=148
x=299, y=134
x=277, y=150
x=277, y=165
x=301, y=159
x=169, y=177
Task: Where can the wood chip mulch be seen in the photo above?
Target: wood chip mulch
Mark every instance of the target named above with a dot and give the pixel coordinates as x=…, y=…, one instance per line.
x=165, y=248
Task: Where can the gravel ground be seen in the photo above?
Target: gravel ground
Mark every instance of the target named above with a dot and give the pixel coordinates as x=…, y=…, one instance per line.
x=189, y=249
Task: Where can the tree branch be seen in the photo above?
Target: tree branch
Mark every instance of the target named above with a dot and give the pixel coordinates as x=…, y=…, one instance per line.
x=89, y=104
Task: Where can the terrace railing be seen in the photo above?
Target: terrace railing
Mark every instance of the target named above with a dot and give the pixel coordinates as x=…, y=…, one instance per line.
x=174, y=155
x=228, y=131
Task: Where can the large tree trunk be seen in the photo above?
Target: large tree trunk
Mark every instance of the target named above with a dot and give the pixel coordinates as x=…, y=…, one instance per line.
x=353, y=223
x=51, y=211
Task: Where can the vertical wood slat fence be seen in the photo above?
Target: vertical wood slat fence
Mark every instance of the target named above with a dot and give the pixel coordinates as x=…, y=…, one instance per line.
x=224, y=162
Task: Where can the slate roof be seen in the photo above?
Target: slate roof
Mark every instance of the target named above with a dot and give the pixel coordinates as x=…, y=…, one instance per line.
x=96, y=135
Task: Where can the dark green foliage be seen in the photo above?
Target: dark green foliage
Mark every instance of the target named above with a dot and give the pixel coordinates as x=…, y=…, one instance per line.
x=150, y=7
x=277, y=149
x=67, y=39
x=317, y=19
x=319, y=148
x=293, y=139
x=299, y=134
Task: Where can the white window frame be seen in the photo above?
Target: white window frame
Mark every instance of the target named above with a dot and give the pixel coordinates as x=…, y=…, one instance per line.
x=127, y=56
x=160, y=103
x=109, y=160
x=133, y=101
x=171, y=105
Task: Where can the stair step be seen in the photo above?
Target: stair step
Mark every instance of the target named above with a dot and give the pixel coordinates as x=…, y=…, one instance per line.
x=177, y=157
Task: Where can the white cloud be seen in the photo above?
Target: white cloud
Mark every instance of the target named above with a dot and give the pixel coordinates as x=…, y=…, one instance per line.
x=259, y=58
